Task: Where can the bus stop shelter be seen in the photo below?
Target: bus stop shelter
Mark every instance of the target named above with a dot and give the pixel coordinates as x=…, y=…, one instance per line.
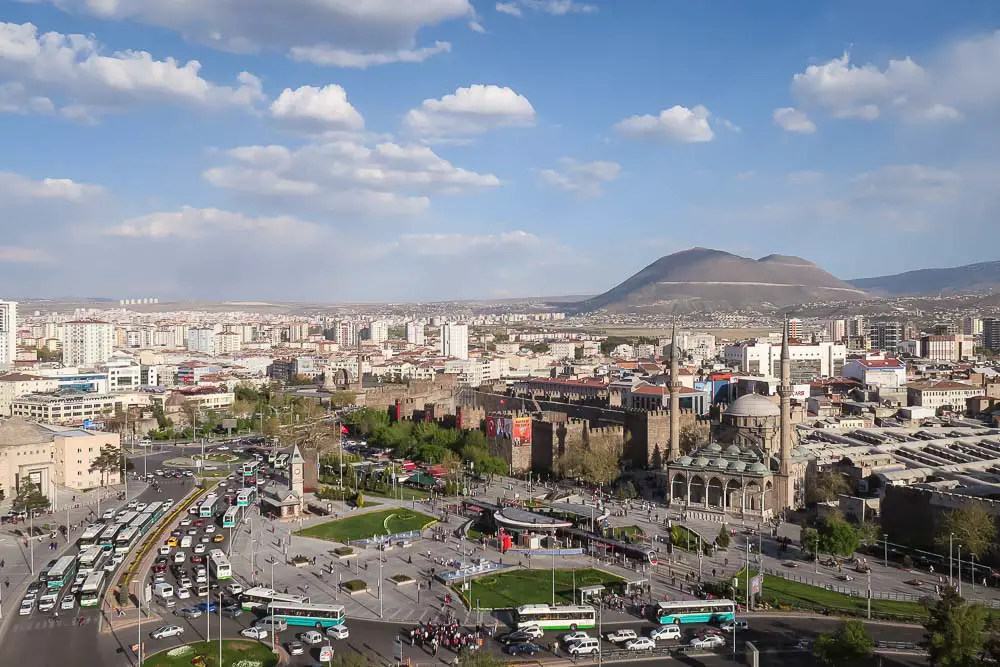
x=589, y=592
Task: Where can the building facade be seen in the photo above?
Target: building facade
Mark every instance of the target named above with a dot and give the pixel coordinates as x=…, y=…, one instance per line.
x=87, y=342
x=415, y=332
x=455, y=340
x=8, y=333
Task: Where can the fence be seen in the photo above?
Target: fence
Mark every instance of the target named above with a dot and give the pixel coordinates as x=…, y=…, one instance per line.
x=853, y=592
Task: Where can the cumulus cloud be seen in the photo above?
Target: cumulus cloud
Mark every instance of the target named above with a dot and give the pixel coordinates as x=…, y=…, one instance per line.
x=346, y=33
x=584, y=178
x=677, y=124
x=470, y=111
x=791, y=119
x=199, y=223
x=329, y=56
x=346, y=175
x=551, y=7
x=53, y=72
x=313, y=108
x=18, y=187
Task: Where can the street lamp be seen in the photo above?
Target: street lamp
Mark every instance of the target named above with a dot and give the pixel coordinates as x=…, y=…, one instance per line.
x=951, y=564
x=959, y=570
x=885, y=550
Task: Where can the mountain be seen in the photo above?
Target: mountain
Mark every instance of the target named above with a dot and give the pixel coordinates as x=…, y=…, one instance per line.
x=982, y=276
x=701, y=280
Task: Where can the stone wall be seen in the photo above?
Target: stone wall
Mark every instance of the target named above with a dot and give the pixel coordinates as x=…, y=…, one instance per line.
x=519, y=458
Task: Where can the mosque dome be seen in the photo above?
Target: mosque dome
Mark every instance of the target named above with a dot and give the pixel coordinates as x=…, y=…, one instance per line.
x=753, y=405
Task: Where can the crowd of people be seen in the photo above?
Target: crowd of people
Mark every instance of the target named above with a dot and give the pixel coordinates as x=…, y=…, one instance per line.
x=448, y=635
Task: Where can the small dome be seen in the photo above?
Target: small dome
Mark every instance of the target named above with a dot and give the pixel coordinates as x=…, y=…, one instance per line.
x=753, y=405
x=733, y=450
x=701, y=462
x=685, y=460
x=758, y=467
x=720, y=463
x=737, y=466
x=713, y=448
x=800, y=453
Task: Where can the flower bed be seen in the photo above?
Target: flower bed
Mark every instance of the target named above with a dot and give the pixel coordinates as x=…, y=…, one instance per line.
x=401, y=579
x=355, y=586
x=344, y=552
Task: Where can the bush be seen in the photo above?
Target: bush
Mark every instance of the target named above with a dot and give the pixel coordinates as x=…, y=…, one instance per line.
x=400, y=578
x=343, y=551
x=359, y=500
x=355, y=585
x=301, y=559
x=723, y=539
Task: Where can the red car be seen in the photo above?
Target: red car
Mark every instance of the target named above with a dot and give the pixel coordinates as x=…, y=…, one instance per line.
x=199, y=523
x=197, y=559
x=159, y=568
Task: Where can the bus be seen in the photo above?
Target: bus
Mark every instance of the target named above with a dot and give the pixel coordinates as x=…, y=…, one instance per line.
x=281, y=461
x=90, y=535
x=126, y=518
x=246, y=497
x=318, y=616
x=127, y=539
x=259, y=596
x=250, y=468
x=156, y=509
x=560, y=617
x=92, y=558
x=143, y=523
x=271, y=458
x=207, y=509
x=218, y=565
x=90, y=593
x=62, y=573
x=109, y=534
x=695, y=611
x=232, y=517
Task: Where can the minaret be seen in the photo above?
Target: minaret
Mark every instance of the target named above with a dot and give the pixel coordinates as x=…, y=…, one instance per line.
x=675, y=400
x=296, y=465
x=785, y=433
x=361, y=367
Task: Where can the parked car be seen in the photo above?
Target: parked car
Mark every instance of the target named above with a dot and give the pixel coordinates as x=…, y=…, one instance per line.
x=708, y=642
x=523, y=648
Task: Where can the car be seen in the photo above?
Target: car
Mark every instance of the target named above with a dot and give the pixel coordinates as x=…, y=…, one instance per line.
x=209, y=606
x=159, y=568
x=34, y=587
x=188, y=473
x=107, y=516
x=165, y=550
x=670, y=631
x=708, y=642
x=254, y=633
x=623, y=635
x=185, y=522
x=640, y=644
x=790, y=563
x=158, y=473
x=232, y=611
x=132, y=504
x=184, y=581
x=27, y=606
x=141, y=507
x=533, y=631
x=47, y=604
x=209, y=529
x=168, y=503
x=734, y=625
x=523, y=648
x=167, y=631
x=222, y=448
x=199, y=523
x=183, y=593
x=159, y=577
x=219, y=538
x=205, y=539
x=172, y=541
x=189, y=612
x=913, y=582
x=179, y=556
x=311, y=637
x=199, y=548
x=326, y=654
x=68, y=602
x=197, y=559
x=235, y=588
x=200, y=578
x=192, y=532
x=579, y=635
x=338, y=632
x=295, y=648
x=514, y=637
x=75, y=588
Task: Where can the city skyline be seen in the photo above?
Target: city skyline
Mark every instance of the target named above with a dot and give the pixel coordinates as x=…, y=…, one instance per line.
x=463, y=149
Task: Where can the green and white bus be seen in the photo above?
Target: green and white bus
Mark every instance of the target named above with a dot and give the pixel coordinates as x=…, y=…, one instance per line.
x=90, y=535
x=232, y=517
x=695, y=611
x=62, y=573
x=218, y=564
x=207, y=509
x=559, y=617
x=127, y=539
x=90, y=593
x=108, y=535
x=92, y=558
x=246, y=497
x=318, y=616
x=260, y=597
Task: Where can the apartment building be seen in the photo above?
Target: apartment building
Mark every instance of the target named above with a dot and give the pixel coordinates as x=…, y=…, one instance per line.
x=87, y=342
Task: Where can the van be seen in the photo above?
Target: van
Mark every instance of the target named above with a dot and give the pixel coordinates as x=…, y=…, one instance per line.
x=163, y=590
x=280, y=625
x=186, y=542
x=202, y=591
x=585, y=646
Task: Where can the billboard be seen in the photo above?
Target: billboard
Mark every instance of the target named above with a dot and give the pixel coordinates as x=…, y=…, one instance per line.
x=503, y=427
x=521, y=431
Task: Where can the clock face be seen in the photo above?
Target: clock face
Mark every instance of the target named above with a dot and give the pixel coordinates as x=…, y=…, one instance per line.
x=296, y=472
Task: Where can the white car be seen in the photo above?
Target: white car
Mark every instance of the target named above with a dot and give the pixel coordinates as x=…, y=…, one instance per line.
x=132, y=504
x=222, y=448
x=254, y=633
x=200, y=548
x=640, y=644
x=27, y=606
x=200, y=578
x=575, y=637
x=167, y=631
x=107, y=516
x=141, y=507
x=311, y=637
x=165, y=550
x=665, y=632
x=68, y=602
x=168, y=503
x=338, y=632
x=47, y=604
x=532, y=631
x=234, y=588
x=185, y=522
x=183, y=593
x=623, y=635
x=708, y=641
x=209, y=529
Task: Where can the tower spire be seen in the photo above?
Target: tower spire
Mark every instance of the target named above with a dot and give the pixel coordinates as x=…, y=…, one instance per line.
x=785, y=424
x=675, y=399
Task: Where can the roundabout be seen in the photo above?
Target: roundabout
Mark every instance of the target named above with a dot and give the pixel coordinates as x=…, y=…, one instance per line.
x=235, y=653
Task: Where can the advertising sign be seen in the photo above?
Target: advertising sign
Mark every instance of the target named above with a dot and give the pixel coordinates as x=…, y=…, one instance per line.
x=800, y=392
x=756, y=583
x=521, y=431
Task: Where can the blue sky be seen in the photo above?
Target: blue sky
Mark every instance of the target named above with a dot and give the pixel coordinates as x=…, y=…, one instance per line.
x=361, y=150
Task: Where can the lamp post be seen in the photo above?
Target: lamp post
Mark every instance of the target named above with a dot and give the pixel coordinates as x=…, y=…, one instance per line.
x=139, y=609
x=31, y=539
x=553, y=577
x=272, y=620
x=380, y=583
x=600, y=619
x=959, y=570
x=747, y=569
x=219, y=611
x=885, y=550
x=869, y=595
x=951, y=564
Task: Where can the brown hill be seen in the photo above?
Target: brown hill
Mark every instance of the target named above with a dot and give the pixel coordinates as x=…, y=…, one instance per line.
x=702, y=279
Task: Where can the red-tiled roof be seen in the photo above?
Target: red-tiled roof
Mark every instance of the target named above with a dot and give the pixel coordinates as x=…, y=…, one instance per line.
x=942, y=385
x=660, y=390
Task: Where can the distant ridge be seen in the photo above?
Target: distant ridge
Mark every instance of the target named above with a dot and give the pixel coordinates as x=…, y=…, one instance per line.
x=971, y=277
x=703, y=279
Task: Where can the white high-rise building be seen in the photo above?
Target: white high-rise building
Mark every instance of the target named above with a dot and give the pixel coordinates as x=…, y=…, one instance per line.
x=346, y=333
x=455, y=340
x=87, y=342
x=201, y=340
x=8, y=333
x=415, y=332
x=378, y=331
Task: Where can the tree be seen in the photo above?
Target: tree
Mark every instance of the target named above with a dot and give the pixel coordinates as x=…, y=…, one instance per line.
x=693, y=436
x=956, y=631
x=837, y=536
x=30, y=497
x=342, y=399
x=846, y=646
x=602, y=463
x=974, y=528
x=359, y=500
x=826, y=486
x=107, y=462
x=723, y=538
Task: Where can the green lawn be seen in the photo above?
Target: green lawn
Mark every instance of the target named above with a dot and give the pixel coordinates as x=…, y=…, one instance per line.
x=513, y=588
x=804, y=596
x=243, y=652
x=385, y=522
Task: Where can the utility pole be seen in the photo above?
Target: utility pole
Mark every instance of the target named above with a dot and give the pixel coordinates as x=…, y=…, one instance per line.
x=951, y=553
x=869, y=595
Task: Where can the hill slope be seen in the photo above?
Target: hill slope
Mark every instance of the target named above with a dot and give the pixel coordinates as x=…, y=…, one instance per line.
x=702, y=279
x=985, y=275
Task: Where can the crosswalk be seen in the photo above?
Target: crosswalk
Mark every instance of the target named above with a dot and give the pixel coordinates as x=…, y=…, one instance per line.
x=41, y=624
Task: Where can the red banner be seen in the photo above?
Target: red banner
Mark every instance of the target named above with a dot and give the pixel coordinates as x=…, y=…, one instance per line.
x=521, y=431
x=491, y=427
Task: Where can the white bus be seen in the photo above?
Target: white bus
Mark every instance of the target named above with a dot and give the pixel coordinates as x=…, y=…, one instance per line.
x=126, y=518
x=92, y=558
x=281, y=461
x=108, y=535
x=127, y=539
x=259, y=596
x=560, y=617
x=218, y=565
x=90, y=593
x=207, y=508
x=62, y=573
x=90, y=535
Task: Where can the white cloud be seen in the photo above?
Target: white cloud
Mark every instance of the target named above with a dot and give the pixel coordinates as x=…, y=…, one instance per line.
x=476, y=26
x=325, y=108
x=551, y=7
x=15, y=186
x=470, y=111
x=345, y=175
x=451, y=245
x=333, y=57
x=22, y=255
x=791, y=119
x=68, y=72
x=199, y=223
x=356, y=30
x=676, y=124
x=585, y=178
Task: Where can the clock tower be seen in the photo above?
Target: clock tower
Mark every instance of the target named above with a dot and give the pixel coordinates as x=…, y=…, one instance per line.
x=296, y=473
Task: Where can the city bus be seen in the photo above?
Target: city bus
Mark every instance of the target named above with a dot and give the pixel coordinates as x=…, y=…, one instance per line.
x=232, y=517
x=560, y=617
x=271, y=458
x=62, y=573
x=90, y=593
x=92, y=558
x=126, y=518
x=259, y=596
x=127, y=539
x=318, y=616
x=108, y=535
x=281, y=461
x=207, y=509
x=246, y=497
x=90, y=535
x=695, y=611
x=156, y=509
x=143, y=523
x=218, y=565
x=250, y=468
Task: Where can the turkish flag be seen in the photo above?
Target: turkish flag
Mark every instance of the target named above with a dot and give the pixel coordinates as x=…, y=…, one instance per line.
x=343, y=429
